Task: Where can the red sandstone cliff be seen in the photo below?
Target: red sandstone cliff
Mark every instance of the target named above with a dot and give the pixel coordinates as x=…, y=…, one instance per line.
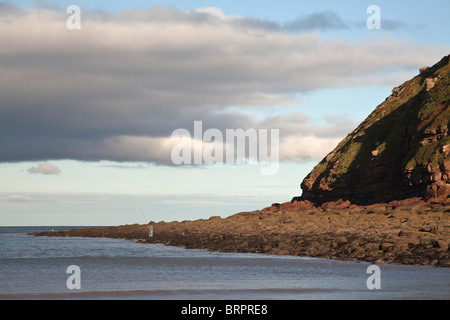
x=401, y=151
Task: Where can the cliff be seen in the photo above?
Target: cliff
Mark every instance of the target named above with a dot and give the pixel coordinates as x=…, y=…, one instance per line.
x=401, y=151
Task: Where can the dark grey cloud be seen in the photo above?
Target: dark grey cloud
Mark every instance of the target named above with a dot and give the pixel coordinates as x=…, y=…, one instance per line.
x=252, y=23
x=7, y=8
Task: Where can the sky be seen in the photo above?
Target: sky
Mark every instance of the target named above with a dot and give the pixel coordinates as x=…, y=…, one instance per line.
x=87, y=114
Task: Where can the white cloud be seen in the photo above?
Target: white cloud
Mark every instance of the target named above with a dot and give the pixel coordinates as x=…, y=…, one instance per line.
x=17, y=198
x=299, y=149
x=217, y=12
x=45, y=168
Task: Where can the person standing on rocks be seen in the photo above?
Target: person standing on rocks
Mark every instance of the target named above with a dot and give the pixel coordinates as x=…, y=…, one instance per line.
x=150, y=232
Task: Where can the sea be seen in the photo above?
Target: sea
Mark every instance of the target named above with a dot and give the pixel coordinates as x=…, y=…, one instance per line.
x=74, y=268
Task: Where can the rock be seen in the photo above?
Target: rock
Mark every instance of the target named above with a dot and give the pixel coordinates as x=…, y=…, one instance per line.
x=379, y=261
x=432, y=191
x=359, y=253
x=397, y=90
x=341, y=240
x=408, y=261
x=371, y=247
x=445, y=263
x=442, y=244
x=429, y=83
x=446, y=151
x=386, y=245
x=339, y=204
x=330, y=156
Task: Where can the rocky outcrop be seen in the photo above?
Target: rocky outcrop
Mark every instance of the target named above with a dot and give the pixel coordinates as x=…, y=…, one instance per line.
x=418, y=233
x=401, y=151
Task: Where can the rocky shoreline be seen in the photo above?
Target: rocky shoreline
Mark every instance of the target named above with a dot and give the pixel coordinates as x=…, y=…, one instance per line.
x=416, y=234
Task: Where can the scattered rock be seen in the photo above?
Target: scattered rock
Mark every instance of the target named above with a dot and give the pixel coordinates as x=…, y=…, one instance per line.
x=429, y=83
x=442, y=244
x=341, y=240
x=421, y=70
x=386, y=245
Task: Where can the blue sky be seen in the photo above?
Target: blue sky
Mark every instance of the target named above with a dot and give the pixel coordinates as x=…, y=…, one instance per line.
x=424, y=21
x=87, y=114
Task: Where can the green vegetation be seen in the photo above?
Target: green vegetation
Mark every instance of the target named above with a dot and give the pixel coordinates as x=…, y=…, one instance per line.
x=408, y=129
x=429, y=154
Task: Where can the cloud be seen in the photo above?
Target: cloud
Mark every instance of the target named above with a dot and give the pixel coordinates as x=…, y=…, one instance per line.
x=322, y=21
x=45, y=168
x=117, y=88
x=64, y=198
x=17, y=198
x=303, y=139
x=392, y=25
x=7, y=8
x=308, y=148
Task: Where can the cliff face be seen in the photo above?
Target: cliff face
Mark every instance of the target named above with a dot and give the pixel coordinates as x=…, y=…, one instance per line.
x=401, y=151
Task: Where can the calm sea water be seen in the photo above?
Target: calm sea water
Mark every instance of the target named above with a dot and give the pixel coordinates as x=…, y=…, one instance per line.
x=36, y=268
